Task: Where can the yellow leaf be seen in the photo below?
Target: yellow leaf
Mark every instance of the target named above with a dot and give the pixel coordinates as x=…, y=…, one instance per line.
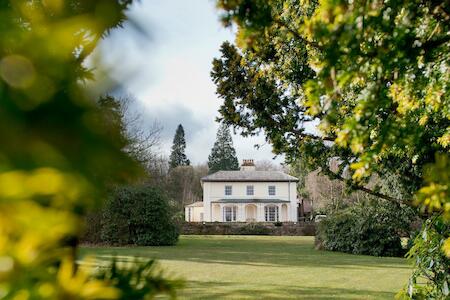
x=444, y=140
x=446, y=247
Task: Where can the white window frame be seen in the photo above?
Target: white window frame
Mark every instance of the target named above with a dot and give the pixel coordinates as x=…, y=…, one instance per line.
x=271, y=213
x=230, y=213
x=250, y=190
x=230, y=188
x=272, y=190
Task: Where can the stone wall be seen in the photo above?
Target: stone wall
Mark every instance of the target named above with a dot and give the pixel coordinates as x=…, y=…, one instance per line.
x=217, y=228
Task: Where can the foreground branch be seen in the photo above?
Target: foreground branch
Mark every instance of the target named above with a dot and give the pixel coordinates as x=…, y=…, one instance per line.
x=296, y=34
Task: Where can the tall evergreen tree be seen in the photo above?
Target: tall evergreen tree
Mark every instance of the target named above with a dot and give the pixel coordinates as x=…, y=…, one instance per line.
x=223, y=154
x=177, y=156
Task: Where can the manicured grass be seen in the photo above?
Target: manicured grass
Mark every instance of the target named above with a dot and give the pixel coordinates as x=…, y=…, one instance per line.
x=263, y=267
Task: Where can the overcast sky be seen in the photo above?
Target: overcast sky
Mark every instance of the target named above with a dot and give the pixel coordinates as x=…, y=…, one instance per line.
x=164, y=61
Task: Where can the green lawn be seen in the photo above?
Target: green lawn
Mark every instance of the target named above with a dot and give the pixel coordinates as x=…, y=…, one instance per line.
x=263, y=267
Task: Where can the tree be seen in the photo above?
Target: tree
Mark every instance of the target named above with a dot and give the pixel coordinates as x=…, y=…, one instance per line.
x=299, y=169
x=139, y=142
x=177, y=156
x=269, y=85
x=183, y=184
x=223, y=155
x=374, y=76
x=267, y=165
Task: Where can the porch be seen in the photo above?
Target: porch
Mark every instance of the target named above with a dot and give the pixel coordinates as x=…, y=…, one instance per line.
x=250, y=210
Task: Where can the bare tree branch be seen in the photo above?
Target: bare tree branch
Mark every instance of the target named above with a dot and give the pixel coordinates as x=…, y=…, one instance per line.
x=369, y=191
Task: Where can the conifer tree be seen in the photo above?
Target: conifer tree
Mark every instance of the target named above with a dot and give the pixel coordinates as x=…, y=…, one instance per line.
x=223, y=155
x=178, y=156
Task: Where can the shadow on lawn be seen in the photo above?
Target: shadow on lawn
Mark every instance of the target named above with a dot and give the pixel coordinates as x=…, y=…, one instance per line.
x=268, y=252
x=261, y=251
x=208, y=290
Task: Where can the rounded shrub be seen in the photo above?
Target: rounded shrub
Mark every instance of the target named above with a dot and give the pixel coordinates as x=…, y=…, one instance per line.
x=139, y=215
x=370, y=228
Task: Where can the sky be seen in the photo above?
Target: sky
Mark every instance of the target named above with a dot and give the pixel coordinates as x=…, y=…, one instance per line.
x=163, y=59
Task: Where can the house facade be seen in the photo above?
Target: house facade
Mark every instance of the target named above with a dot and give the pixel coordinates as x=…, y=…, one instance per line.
x=247, y=196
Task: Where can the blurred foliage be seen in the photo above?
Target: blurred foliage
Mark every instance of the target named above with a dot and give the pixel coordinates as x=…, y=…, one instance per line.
x=138, y=280
x=57, y=152
x=139, y=215
x=429, y=262
x=435, y=195
x=374, y=76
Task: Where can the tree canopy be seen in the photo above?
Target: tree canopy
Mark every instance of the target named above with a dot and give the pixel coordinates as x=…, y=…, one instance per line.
x=373, y=77
x=223, y=155
x=178, y=156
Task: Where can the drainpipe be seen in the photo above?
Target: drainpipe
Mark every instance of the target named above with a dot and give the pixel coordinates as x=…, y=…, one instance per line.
x=210, y=202
x=289, y=197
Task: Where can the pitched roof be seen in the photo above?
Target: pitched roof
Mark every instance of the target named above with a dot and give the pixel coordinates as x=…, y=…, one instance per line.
x=196, y=204
x=252, y=176
x=250, y=201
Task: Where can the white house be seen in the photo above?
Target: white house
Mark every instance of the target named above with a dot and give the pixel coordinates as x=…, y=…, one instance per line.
x=194, y=212
x=246, y=196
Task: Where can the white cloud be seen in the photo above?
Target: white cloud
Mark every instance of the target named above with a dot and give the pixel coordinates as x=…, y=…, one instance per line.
x=169, y=72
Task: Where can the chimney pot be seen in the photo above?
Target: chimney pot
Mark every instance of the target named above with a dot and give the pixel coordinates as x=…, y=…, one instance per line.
x=248, y=165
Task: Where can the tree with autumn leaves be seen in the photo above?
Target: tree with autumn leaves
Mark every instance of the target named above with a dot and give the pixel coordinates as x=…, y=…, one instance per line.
x=374, y=76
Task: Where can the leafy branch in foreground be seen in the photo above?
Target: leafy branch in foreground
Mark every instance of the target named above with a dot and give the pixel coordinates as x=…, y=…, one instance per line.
x=58, y=154
x=138, y=280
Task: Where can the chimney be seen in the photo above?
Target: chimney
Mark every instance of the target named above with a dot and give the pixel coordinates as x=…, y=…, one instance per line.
x=248, y=165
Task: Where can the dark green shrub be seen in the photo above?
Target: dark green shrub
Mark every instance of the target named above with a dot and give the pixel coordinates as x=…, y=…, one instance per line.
x=278, y=224
x=139, y=215
x=370, y=228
